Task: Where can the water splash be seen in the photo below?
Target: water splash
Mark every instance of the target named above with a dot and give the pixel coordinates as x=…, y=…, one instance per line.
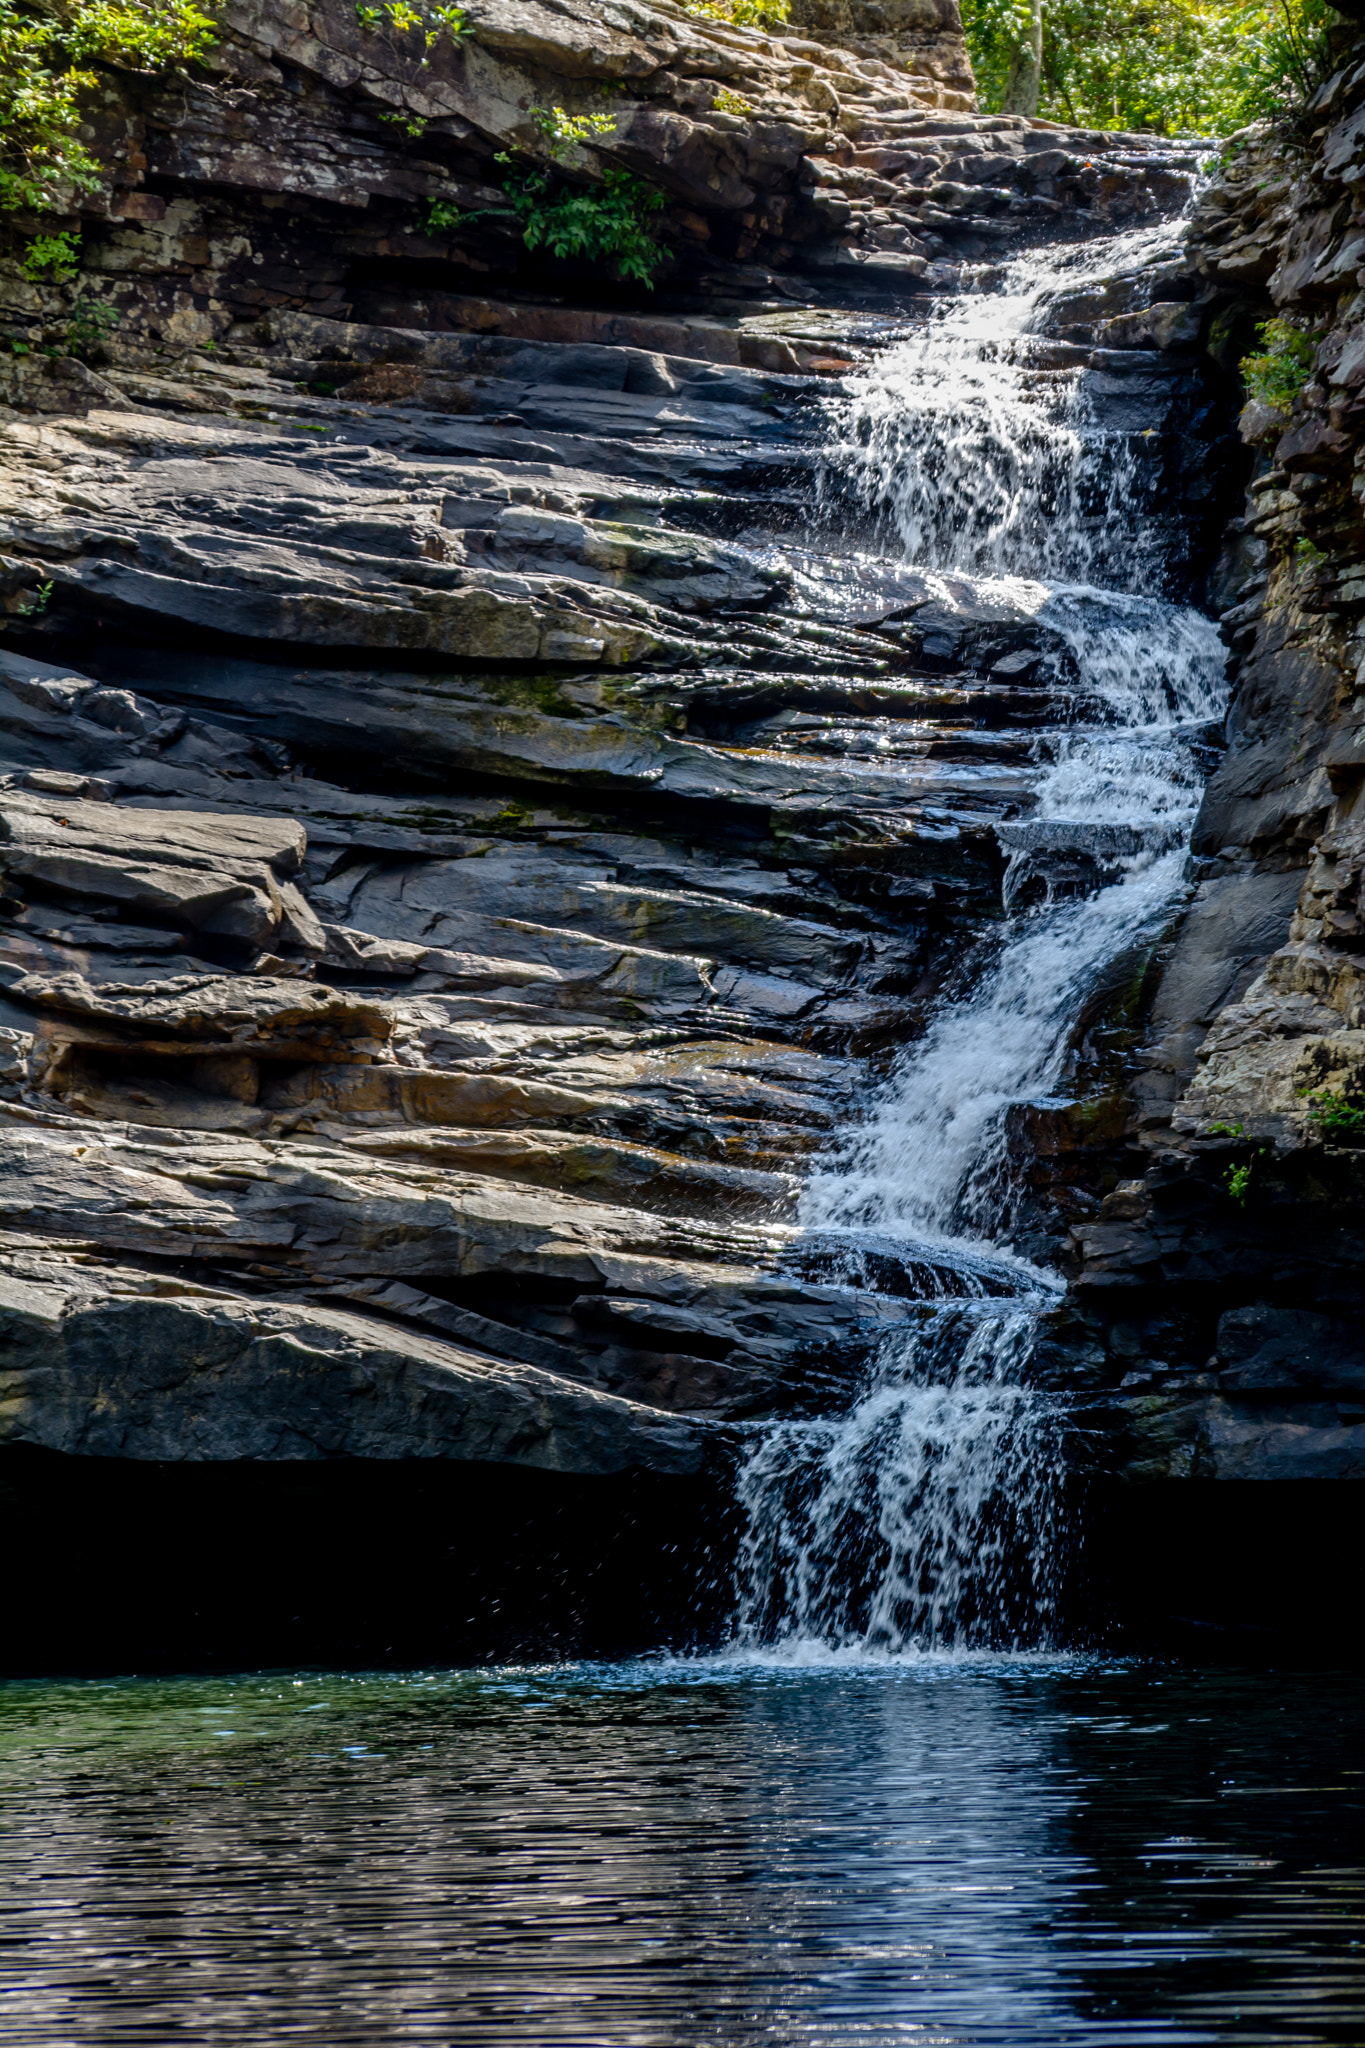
x=928, y=1515
x=923, y=1518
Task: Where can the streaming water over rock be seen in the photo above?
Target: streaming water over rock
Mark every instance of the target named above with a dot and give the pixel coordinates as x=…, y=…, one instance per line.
x=972, y=438
x=929, y=1513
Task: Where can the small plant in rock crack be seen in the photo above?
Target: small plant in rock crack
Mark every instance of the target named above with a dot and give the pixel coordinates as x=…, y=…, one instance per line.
x=443, y=217
x=1278, y=371
x=742, y=13
x=1335, y=1111
x=36, y=604
x=1237, y=1179
x=90, y=325
x=727, y=102
x=567, y=132
x=1307, y=557
x=402, y=19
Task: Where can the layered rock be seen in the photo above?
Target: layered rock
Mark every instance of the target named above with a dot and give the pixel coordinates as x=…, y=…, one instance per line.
x=299, y=171
x=1223, y=1288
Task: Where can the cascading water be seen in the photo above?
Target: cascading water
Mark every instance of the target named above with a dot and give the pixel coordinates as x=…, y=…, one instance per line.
x=928, y=1514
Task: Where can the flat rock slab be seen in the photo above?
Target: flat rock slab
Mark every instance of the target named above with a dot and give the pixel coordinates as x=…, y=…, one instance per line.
x=111, y=1368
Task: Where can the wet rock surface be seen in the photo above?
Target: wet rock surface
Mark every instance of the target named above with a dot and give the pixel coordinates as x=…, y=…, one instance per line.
x=470, y=831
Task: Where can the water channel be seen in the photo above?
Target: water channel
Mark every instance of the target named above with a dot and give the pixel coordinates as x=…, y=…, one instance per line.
x=928, y=1515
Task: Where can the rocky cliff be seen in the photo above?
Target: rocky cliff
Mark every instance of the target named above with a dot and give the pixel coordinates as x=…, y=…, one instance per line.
x=471, y=825
x=1221, y=1289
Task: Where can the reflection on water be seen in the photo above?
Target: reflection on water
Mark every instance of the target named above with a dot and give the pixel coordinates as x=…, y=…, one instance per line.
x=850, y=1854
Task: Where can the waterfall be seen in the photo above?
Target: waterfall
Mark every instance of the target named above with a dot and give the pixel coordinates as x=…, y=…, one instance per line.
x=929, y=1514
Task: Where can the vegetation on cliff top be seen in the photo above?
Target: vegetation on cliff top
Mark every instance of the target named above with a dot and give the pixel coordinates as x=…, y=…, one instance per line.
x=1172, y=67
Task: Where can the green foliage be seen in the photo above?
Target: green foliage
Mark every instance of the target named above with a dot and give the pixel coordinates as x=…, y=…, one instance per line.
x=742, y=13
x=451, y=22
x=1335, y=1112
x=1278, y=372
x=402, y=19
x=609, y=222
x=34, y=607
x=54, y=257
x=443, y=217
x=727, y=102
x=411, y=124
x=567, y=132
x=1172, y=67
x=1239, y=1182
x=46, y=50
x=89, y=327
x=606, y=223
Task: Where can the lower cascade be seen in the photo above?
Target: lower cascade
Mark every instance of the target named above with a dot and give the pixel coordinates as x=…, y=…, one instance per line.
x=925, y=1517
x=930, y=1514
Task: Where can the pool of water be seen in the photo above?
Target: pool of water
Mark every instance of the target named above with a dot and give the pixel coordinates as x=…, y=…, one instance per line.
x=924, y=1851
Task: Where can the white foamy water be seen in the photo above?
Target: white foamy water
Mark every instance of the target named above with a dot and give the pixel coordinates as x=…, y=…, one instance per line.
x=927, y=1516
x=970, y=439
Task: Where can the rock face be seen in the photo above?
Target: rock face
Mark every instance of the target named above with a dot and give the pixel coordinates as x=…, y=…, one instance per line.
x=471, y=827
x=1223, y=1289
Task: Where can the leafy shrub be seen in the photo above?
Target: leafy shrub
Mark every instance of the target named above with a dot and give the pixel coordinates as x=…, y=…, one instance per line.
x=1278, y=372
x=1173, y=67
x=604, y=223
x=56, y=257
x=609, y=222
x=727, y=102
x=1239, y=1182
x=567, y=132
x=45, y=52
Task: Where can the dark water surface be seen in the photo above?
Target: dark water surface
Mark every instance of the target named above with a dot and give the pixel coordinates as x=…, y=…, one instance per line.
x=935, y=1851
